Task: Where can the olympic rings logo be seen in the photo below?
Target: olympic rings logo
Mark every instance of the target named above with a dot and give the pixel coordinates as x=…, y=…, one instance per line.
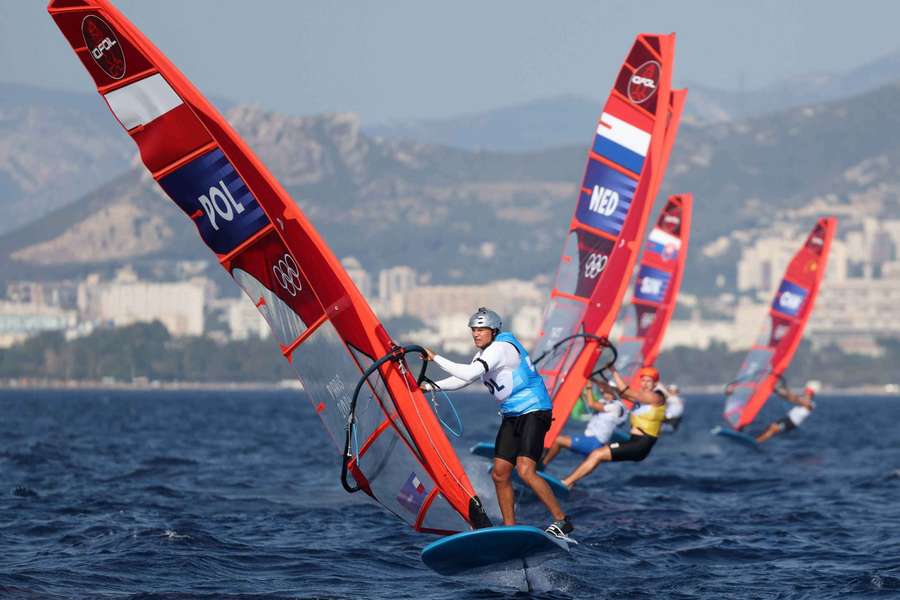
x=594, y=265
x=288, y=274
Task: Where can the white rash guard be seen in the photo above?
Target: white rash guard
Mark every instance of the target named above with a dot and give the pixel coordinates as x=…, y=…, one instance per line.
x=674, y=406
x=602, y=424
x=798, y=414
x=495, y=363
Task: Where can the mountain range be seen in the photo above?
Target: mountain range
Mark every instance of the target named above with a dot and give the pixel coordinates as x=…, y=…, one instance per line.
x=463, y=216
x=558, y=121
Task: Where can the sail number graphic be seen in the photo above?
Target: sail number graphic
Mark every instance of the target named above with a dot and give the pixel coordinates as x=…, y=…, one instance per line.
x=288, y=274
x=219, y=203
x=604, y=201
x=493, y=386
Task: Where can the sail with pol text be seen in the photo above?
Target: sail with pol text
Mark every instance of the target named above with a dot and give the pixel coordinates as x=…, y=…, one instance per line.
x=392, y=443
x=656, y=287
x=624, y=169
x=774, y=348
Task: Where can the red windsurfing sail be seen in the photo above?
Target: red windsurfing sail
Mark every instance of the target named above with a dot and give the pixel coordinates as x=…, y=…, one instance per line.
x=656, y=287
x=327, y=332
x=624, y=170
x=782, y=331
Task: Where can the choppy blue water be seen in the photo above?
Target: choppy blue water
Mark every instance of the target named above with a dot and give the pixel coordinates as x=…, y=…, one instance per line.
x=236, y=495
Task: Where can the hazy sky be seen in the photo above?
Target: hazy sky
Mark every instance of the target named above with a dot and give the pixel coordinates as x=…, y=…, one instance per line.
x=420, y=58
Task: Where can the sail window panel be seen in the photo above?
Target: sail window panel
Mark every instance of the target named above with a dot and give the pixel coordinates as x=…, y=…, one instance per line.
x=442, y=517
x=567, y=274
x=630, y=357
x=395, y=477
x=561, y=320
x=275, y=282
x=285, y=324
x=736, y=401
x=374, y=403
x=329, y=376
x=756, y=366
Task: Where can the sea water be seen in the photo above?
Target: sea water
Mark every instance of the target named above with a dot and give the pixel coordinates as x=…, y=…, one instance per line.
x=152, y=494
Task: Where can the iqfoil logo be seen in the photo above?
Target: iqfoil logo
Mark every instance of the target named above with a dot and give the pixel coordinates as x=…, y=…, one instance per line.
x=643, y=82
x=104, y=46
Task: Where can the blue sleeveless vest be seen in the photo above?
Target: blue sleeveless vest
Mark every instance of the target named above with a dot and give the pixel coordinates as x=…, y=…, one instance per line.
x=529, y=392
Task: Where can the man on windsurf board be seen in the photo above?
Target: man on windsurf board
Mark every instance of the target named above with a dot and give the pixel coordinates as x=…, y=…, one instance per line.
x=646, y=423
x=795, y=416
x=504, y=367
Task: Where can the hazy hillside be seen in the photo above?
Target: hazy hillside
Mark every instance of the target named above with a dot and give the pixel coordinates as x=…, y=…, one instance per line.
x=565, y=120
x=53, y=146
x=474, y=216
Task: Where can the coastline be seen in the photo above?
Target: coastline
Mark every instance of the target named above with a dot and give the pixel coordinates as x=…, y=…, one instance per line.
x=141, y=384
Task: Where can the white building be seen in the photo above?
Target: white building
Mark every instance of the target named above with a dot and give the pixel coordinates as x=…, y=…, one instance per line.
x=856, y=313
x=393, y=284
x=506, y=297
x=762, y=265
x=526, y=324
x=19, y=321
x=244, y=319
x=127, y=300
x=359, y=275
x=701, y=333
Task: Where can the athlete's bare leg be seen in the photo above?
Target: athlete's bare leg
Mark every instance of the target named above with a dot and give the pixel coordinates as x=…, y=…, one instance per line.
x=772, y=430
x=506, y=497
x=600, y=455
x=527, y=470
x=561, y=442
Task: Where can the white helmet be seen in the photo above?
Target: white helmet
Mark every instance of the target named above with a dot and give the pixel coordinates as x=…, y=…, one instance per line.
x=485, y=317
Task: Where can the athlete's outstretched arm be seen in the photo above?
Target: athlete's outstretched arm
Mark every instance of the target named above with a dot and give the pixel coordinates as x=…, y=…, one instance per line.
x=449, y=384
x=640, y=396
x=466, y=372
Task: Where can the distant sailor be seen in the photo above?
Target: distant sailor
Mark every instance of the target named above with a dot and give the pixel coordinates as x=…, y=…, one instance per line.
x=504, y=367
x=674, y=409
x=646, y=423
x=608, y=414
x=795, y=416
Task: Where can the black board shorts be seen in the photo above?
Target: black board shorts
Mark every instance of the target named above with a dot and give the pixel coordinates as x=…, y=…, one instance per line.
x=522, y=436
x=635, y=449
x=674, y=423
x=785, y=424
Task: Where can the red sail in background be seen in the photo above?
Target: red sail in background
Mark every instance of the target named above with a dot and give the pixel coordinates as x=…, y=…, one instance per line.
x=783, y=329
x=656, y=287
x=624, y=170
x=326, y=330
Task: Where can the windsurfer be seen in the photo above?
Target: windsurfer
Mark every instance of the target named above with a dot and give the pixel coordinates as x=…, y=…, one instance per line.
x=646, y=422
x=795, y=416
x=674, y=408
x=609, y=412
x=504, y=367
